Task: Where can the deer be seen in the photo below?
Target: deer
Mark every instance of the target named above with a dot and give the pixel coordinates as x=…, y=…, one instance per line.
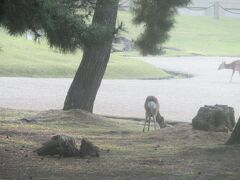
x=235, y=66
x=151, y=106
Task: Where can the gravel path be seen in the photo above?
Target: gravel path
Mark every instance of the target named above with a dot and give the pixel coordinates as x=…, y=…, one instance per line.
x=179, y=99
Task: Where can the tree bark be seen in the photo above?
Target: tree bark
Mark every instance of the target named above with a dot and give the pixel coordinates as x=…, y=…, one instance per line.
x=83, y=90
x=235, y=136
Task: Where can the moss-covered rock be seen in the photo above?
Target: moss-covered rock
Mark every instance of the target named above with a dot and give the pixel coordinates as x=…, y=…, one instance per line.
x=219, y=118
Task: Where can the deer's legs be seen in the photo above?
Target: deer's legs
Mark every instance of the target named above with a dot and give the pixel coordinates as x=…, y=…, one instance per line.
x=232, y=75
x=146, y=118
x=154, y=119
x=149, y=120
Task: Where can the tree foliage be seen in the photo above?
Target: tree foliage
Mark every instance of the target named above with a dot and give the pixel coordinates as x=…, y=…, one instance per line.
x=66, y=23
x=157, y=16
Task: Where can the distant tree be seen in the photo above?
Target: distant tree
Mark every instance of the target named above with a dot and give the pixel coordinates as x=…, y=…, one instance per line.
x=66, y=26
x=235, y=136
x=157, y=16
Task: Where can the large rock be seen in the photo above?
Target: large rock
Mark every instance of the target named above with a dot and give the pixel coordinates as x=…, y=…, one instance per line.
x=219, y=118
x=88, y=149
x=121, y=44
x=65, y=146
x=59, y=145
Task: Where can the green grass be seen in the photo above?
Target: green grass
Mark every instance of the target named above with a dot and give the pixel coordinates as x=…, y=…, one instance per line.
x=191, y=36
x=195, y=35
x=20, y=57
x=132, y=69
x=206, y=36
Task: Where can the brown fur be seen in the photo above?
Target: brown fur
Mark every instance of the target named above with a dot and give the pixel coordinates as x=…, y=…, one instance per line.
x=235, y=66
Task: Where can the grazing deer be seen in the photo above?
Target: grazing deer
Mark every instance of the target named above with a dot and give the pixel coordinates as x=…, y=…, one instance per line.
x=235, y=66
x=152, y=111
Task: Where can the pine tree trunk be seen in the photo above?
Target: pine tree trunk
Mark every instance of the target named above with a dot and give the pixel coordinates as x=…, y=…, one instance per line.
x=83, y=90
x=235, y=136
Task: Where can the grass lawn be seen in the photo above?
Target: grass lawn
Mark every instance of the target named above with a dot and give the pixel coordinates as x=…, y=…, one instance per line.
x=177, y=152
x=191, y=36
x=195, y=35
x=20, y=57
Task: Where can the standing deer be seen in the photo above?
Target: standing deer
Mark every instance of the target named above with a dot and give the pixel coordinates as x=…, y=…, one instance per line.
x=152, y=111
x=235, y=66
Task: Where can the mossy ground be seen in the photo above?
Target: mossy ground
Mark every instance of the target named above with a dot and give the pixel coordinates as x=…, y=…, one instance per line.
x=176, y=152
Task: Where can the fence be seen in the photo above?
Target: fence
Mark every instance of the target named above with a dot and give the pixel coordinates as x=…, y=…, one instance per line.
x=216, y=8
x=221, y=8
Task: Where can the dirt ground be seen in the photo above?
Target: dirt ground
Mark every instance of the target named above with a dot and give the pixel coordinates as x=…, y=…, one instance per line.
x=176, y=152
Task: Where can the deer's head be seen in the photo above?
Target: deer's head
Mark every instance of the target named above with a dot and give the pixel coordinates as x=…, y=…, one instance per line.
x=222, y=66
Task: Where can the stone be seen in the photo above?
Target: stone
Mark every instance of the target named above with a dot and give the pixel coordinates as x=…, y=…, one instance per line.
x=87, y=148
x=219, y=118
x=121, y=44
x=59, y=145
x=65, y=146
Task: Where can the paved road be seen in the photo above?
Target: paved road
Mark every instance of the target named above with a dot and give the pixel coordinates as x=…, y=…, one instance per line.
x=179, y=98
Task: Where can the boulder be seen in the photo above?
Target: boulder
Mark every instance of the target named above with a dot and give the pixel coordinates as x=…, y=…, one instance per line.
x=121, y=44
x=219, y=118
x=88, y=149
x=65, y=146
x=59, y=145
